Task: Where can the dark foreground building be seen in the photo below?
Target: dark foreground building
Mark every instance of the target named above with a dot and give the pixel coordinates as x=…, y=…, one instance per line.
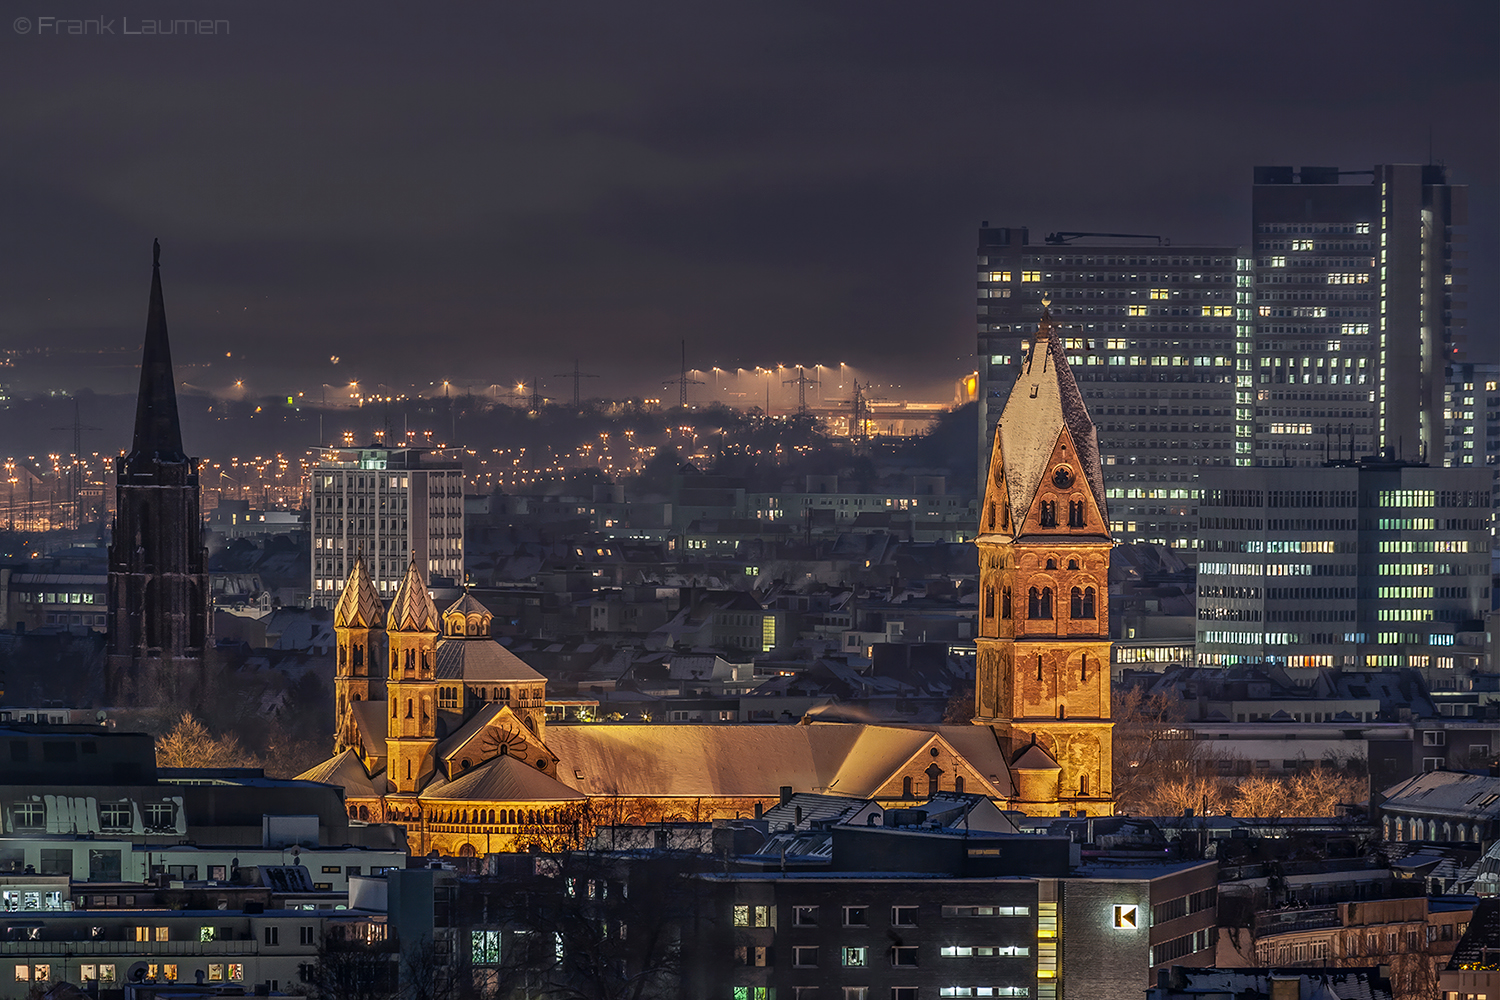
x=158, y=581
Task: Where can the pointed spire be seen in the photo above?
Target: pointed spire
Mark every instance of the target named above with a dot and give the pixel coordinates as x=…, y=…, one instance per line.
x=158, y=434
x=359, y=605
x=1045, y=402
x=412, y=609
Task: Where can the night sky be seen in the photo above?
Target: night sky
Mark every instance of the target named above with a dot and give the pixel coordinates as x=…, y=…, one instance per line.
x=483, y=192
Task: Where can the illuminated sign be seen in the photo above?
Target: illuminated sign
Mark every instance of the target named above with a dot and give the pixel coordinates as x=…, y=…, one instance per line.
x=1127, y=918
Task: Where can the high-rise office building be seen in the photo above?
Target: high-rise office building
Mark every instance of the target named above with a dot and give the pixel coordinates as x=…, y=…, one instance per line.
x=1471, y=409
x=158, y=581
x=1353, y=564
x=1159, y=339
x=1355, y=301
x=1334, y=328
x=389, y=506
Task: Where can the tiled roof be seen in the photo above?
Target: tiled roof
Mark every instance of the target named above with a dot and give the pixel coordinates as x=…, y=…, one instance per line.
x=1445, y=793
x=482, y=661
x=501, y=779
x=467, y=605
x=851, y=759
x=345, y=771
x=1034, y=758
x=359, y=605
x=412, y=609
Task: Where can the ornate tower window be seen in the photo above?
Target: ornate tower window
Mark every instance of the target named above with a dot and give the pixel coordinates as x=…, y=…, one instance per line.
x=1082, y=602
x=1076, y=517
x=1039, y=603
x=1048, y=513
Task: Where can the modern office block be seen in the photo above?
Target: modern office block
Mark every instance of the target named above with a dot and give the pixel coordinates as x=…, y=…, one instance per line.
x=1355, y=301
x=389, y=506
x=1354, y=564
x=1157, y=337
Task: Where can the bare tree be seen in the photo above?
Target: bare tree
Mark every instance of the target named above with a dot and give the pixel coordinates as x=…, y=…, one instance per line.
x=348, y=970
x=595, y=926
x=1159, y=767
x=189, y=744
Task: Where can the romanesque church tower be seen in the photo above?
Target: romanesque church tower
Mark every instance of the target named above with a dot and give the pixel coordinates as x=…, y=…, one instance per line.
x=358, y=618
x=158, y=580
x=1043, y=647
x=412, y=628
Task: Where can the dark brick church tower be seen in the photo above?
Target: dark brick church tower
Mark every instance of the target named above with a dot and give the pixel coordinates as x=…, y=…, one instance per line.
x=158, y=582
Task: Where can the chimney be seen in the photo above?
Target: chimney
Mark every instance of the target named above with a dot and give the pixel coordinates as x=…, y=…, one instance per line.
x=1286, y=987
x=786, y=794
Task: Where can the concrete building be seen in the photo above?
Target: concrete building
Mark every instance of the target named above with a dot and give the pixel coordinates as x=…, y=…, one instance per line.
x=1356, y=289
x=388, y=506
x=1157, y=336
x=1353, y=564
x=1471, y=407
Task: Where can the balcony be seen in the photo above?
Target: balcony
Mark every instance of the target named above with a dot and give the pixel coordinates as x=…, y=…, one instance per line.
x=1306, y=918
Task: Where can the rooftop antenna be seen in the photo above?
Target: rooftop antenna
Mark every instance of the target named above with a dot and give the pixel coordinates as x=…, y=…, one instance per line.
x=577, y=377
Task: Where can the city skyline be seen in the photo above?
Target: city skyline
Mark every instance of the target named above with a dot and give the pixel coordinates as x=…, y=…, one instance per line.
x=763, y=199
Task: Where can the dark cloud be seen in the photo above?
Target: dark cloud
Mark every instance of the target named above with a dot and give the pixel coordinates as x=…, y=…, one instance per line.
x=485, y=191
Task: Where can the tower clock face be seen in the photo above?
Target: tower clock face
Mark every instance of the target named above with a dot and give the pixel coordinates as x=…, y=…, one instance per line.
x=1062, y=477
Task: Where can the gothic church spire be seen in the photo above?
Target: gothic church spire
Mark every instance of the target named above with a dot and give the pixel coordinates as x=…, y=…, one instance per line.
x=158, y=434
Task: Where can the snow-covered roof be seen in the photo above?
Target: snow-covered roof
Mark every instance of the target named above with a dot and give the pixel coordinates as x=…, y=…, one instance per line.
x=501, y=779
x=754, y=761
x=1044, y=403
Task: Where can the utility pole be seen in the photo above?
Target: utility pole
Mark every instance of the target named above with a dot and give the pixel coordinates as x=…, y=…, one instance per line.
x=75, y=475
x=577, y=377
x=536, y=399
x=682, y=381
x=801, y=382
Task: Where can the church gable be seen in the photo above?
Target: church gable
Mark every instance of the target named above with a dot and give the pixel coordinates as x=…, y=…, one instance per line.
x=995, y=514
x=1063, y=500
x=495, y=731
x=936, y=767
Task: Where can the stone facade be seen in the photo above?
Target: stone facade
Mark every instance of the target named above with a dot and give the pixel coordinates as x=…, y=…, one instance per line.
x=1043, y=645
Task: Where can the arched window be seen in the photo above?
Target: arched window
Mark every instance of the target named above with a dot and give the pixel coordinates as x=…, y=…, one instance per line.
x=408, y=708
x=364, y=813
x=359, y=656
x=1048, y=513
x=1052, y=563
x=1083, y=671
x=906, y=788
x=343, y=655
x=393, y=708
x=1083, y=784
x=1072, y=564
x=958, y=784
x=989, y=602
x=1077, y=603
x=1075, y=514
x=992, y=515
x=1046, y=603
x=1034, y=603
x=1005, y=603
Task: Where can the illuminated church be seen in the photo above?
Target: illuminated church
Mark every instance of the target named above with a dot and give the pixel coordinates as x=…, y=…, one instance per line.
x=1042, y=679
x=443, y=730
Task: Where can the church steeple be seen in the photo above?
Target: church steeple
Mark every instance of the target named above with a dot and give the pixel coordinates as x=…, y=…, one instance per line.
x=158, y=434
x=1043, y=644
x=158, y=580
x=412, y=627
x=357, y=620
